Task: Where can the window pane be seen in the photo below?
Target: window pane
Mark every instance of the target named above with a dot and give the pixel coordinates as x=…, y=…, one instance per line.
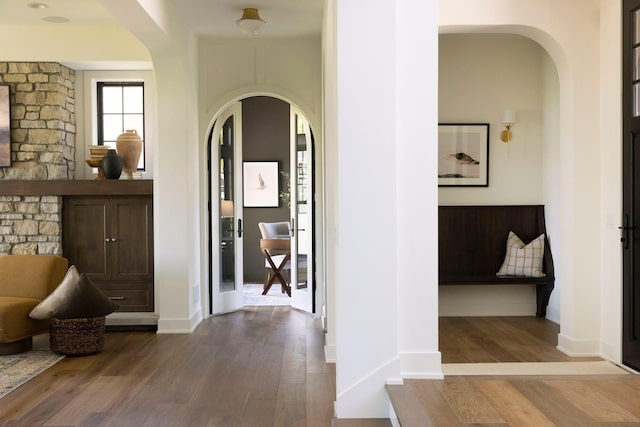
x=112, y=126
x=111, y=99
x=133, y=99
x=134, y=121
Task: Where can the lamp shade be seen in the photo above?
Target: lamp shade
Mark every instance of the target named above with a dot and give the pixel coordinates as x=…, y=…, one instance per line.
x=250, y=23
x=226, y=208
x=508, y=116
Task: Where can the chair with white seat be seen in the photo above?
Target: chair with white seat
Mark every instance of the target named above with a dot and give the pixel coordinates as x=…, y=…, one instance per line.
x=275, y=247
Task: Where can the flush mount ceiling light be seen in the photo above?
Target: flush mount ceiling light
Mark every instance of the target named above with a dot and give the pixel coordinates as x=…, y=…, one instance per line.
x=250, y=23
x=38, y=5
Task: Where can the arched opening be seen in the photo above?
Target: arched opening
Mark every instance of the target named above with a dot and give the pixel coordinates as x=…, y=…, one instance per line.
x=480, y=75
x=272, y=134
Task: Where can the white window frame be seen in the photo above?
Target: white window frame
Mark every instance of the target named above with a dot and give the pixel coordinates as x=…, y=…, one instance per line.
x=90, y=112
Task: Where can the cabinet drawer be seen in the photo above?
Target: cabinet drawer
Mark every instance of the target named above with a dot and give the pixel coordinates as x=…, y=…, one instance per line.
x=130, y=299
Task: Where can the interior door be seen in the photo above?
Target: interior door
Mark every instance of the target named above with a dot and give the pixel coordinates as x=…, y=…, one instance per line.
x=302, y=244
x=631, y=183
x=226, y=219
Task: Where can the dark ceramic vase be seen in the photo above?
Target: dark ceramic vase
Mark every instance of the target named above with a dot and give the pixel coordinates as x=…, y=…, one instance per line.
x=112, y=165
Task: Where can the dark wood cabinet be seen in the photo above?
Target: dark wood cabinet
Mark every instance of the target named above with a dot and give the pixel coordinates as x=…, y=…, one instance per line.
x=110, y=239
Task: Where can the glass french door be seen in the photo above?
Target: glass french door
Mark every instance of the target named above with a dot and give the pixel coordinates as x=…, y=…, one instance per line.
x=226, y=218
x=302, y=284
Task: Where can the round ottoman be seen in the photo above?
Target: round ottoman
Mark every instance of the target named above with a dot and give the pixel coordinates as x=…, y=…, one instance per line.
x=77, y=337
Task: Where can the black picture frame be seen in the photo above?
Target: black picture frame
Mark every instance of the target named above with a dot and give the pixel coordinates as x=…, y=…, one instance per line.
x=463, y=154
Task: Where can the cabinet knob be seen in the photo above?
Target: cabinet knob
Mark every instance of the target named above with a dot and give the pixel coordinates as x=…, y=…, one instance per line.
x=107, y=240
x=114, y=240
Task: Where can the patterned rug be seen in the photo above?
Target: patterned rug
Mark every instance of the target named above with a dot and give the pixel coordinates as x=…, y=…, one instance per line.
x=17, y=369
x=252, y=295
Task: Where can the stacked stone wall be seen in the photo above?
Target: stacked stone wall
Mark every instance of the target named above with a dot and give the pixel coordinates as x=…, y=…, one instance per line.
x=43, y=128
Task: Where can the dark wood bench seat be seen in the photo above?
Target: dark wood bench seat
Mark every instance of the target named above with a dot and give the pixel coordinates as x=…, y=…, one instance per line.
x=472, y=246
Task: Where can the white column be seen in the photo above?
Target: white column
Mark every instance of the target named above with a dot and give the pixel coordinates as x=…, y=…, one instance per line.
x=387, y=200
x=417, y=187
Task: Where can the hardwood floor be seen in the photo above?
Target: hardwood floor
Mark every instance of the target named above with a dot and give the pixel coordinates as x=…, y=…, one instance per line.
x=263, y=366
x=501, y=339
x=533, y=400
x=584, y=401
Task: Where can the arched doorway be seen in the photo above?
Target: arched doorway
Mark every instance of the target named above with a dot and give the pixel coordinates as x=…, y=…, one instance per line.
x=273, y=135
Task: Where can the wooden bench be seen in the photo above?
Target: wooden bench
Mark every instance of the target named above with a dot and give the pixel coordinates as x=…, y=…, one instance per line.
x=472, y=246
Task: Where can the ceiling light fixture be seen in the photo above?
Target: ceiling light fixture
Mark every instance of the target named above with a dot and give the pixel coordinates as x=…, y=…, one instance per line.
x=250, y=23
x=38, y=5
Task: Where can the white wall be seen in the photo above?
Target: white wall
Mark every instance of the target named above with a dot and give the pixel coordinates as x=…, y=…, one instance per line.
x=551, y=172
x=479, y=76
x=610, y=179
x=234, y=68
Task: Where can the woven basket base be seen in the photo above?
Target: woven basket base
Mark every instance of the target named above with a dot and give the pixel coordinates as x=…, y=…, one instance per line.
x=77, y=337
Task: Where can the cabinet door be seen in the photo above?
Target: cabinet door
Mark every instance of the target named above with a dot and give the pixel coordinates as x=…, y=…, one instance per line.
x=132, y=252
x=85, y=235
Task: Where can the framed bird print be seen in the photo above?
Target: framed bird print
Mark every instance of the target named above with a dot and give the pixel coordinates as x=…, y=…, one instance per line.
x=260, y=184
x=463, y=155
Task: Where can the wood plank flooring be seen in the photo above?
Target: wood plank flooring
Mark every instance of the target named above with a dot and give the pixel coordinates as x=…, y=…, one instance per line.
x=501, y=339
x=585, y=401
x=262, y=366
x=595, y=400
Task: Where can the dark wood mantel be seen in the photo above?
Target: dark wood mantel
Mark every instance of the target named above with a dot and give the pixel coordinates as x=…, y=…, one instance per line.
x=73, y=187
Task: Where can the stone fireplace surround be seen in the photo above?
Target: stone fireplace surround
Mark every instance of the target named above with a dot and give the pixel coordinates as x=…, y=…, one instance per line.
x=43, y=128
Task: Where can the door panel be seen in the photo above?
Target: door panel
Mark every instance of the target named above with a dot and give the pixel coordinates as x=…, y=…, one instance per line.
x=631, y=183
x=86, y=240
x=134, y=240
x=302, y=284
x=226, y=219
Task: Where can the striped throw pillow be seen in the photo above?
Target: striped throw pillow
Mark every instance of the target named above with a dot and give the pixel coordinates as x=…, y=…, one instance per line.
x=521, y=259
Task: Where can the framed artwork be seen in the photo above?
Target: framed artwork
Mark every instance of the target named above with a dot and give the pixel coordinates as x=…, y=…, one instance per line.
x=260, y=184
x=5, y=127
x=463, y=155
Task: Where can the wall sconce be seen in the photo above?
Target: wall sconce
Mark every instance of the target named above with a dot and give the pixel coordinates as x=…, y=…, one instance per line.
x=508, y=119
x=250, y=23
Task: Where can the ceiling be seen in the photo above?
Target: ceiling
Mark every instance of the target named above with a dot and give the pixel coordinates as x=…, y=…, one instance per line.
x=206, y=18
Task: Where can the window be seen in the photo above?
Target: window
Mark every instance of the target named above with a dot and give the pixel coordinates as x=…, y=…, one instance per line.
x=120, y=108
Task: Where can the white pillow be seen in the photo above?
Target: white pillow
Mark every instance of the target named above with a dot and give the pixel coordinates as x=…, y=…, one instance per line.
x=523, y=260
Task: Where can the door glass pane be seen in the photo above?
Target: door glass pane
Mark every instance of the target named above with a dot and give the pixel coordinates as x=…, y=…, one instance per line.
x=636, y=63
x=303, y=194
x=636, y=99
x=636, y=27
x=227, y=217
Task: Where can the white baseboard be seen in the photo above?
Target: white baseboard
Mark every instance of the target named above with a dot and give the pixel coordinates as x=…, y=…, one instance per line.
x=131, y=319
x=179, y=326
x=611, y=353
x=421, y=365
x=578, y=348
x=486, y=309
x=368, y=398
x=553, y=314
